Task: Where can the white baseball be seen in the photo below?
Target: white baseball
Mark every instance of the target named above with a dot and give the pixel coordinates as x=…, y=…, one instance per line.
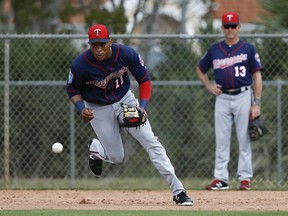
x=57, y=147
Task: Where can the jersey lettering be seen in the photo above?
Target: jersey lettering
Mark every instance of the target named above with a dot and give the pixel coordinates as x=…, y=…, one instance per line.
x=103, y=83
x=227, y=62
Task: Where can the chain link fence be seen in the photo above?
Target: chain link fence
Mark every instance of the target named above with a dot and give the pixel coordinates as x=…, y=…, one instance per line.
x=35, y=112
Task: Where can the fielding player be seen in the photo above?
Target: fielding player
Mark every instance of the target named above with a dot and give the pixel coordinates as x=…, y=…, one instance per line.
x=98, y=84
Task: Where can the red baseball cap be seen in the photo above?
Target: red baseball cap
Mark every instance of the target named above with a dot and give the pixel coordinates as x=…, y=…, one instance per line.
x=98, y=33
x=230, y=18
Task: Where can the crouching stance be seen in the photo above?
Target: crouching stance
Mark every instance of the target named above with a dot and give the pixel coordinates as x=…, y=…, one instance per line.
x=99, y=87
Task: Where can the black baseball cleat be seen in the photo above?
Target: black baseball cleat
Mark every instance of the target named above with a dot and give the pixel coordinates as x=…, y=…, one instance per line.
x=95, y=166
x=183, y=199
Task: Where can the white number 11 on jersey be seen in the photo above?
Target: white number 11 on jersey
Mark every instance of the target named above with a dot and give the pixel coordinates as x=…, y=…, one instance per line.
x=119, y=82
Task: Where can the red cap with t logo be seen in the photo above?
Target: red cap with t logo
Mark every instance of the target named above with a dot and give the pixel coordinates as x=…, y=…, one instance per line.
x=98, y=33
x=230, y=18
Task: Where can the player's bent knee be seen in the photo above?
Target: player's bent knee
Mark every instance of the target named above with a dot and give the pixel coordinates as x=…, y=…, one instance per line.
x=116, y=159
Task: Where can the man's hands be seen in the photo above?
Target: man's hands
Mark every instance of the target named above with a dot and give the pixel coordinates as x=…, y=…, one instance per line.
x=214, y=88
x=255, y=111
x=87, y=114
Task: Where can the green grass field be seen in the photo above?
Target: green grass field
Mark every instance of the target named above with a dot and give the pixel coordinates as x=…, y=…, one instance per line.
x=154, y=183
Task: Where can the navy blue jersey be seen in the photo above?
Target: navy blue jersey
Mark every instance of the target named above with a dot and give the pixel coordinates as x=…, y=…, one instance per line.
x=232, y=65
x=105, y=82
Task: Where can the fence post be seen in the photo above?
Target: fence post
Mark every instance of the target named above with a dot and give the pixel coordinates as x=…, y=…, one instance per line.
x=6, y=114
x=279, y=133
x=72, y=146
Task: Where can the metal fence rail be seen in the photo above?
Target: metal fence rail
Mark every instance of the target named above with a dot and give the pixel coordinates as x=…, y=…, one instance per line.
x=36, y=111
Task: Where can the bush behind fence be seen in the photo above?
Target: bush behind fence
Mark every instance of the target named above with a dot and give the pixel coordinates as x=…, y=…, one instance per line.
x=36, y=111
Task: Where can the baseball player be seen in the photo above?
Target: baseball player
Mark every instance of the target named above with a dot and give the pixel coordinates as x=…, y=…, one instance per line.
x=98, y=84
x=237, y=68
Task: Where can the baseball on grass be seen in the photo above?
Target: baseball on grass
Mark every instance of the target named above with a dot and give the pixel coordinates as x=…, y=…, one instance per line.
x=57, y=147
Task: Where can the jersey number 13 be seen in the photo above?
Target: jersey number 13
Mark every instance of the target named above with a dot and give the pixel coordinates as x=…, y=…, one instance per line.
x=240, y=71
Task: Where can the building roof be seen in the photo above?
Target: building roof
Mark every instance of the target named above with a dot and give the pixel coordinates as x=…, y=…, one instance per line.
x=248, y=10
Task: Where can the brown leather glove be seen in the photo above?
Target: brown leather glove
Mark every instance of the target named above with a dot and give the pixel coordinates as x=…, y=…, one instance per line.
x=133, y=116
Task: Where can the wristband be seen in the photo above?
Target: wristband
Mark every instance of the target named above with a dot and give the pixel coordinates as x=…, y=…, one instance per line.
x=257, y=101
x=144, y=103
x=79, y=106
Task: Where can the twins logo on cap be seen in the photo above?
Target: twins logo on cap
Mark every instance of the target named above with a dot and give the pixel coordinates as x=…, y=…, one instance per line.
x=230, y=18
x=98, y=33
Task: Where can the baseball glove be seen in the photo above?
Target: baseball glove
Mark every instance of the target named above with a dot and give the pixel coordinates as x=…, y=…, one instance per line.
x=133, y=116
x=257, y=129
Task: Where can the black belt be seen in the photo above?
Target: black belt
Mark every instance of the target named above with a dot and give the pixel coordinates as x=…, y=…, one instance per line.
x=235, y=91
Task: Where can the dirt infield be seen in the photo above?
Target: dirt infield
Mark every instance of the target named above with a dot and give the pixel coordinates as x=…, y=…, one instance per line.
x=142, y=200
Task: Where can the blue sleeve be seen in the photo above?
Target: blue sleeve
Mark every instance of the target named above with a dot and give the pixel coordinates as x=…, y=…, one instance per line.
x=137, y=67
x=205, y=63
x=255, y=59
x=74, y=83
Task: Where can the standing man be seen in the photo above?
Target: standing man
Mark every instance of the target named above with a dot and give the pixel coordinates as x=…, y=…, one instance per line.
x=236, y=65
x=98, y=86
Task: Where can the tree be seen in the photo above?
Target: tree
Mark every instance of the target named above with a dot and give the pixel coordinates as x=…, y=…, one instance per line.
x=48, y=16
x=32, y=16
x=115, y=19
x=276, y=18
